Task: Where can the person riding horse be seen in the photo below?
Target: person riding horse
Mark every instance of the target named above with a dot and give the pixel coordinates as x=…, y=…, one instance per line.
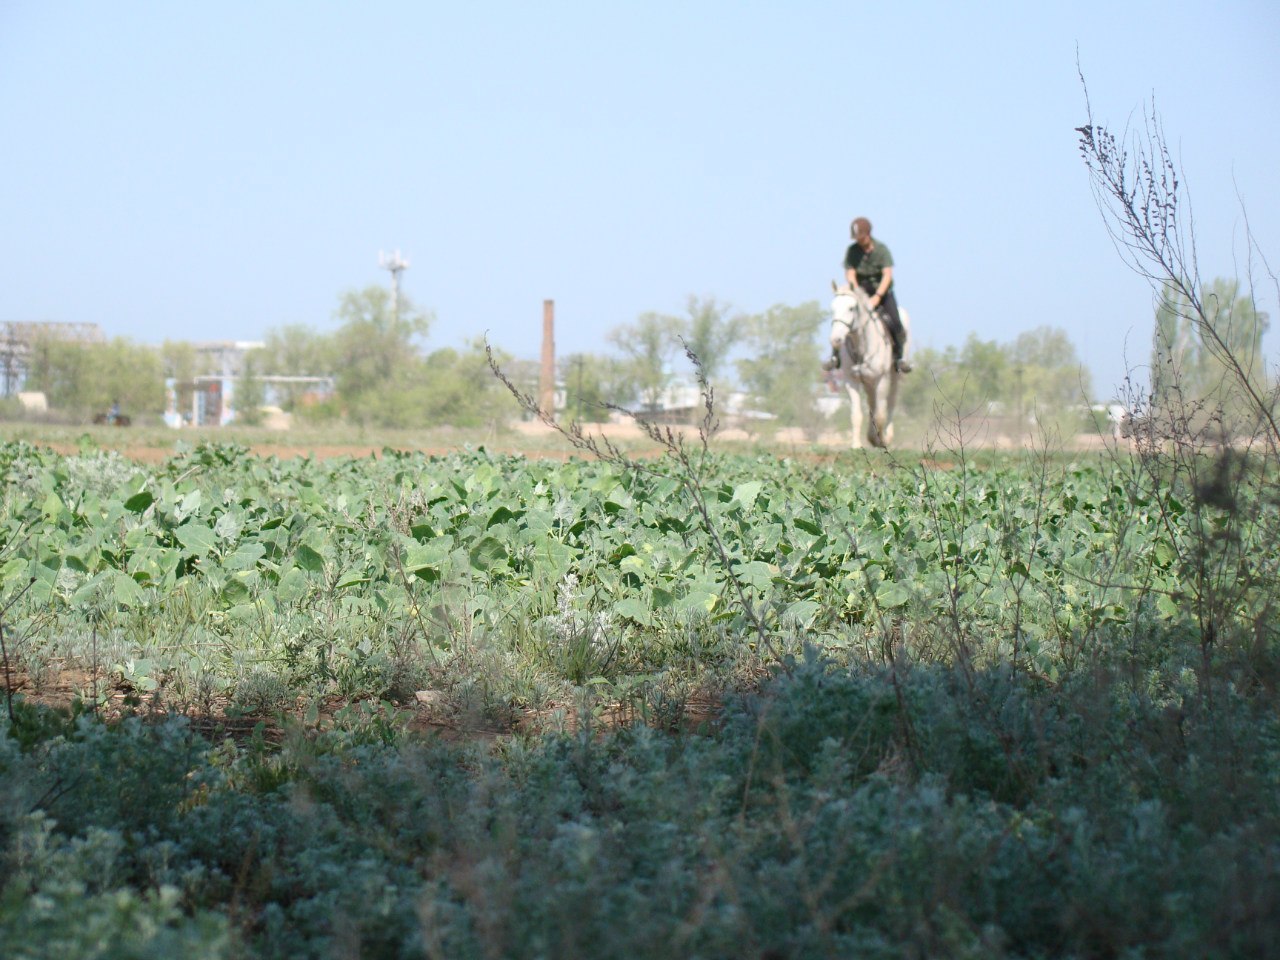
x=869, y=265
x=861, y=339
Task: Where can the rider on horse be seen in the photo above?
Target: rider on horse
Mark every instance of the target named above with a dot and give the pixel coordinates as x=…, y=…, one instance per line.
x=869, y=264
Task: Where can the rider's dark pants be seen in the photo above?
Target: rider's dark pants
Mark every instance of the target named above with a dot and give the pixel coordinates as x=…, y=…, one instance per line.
x=889, y=307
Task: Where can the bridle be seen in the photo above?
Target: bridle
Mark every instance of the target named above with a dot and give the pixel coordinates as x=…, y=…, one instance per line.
x=856, y=355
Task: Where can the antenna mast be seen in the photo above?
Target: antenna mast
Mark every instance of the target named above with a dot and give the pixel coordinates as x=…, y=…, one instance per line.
x=396, y=265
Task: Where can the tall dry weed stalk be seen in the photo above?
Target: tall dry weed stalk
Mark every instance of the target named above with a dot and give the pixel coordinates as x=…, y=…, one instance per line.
x=1208, y=471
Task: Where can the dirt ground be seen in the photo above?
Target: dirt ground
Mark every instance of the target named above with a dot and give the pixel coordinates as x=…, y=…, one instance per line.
x=429, y=713
x=531, y=439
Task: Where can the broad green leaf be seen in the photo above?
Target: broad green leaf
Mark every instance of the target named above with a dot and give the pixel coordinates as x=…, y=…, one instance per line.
x=293, y=586
x=196, y=538
x=757, y=573
x=891, y=594
x=13, y=568
x=746, y=493
x=139, y=502
x=633, y=608
x=501, y=515
x=701, y=599
x=245, y=557
x=802, y=611
x=53, y=508
x=128, y=593
x=235, y=591
x=308, y=559
x=487, y=552
x=634, y=563
x=349, y=578
x=424, y=560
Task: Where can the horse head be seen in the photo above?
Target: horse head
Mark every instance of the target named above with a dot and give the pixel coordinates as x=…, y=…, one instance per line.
x=850, y=313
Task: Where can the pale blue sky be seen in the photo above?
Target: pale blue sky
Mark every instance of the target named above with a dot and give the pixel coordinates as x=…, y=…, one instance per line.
x=207, y=171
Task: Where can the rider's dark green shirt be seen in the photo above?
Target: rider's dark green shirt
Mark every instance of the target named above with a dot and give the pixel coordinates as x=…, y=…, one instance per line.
x=869, y=265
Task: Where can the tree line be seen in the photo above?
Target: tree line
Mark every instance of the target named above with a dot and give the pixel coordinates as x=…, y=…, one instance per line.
x=385, y=374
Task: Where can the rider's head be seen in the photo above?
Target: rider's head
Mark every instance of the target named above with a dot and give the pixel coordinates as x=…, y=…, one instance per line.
x=860, y=228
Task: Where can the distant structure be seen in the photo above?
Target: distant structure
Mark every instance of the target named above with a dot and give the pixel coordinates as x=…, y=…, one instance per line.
x=18, y=338
x=547, y=375
x=396, y=265
x=208, y=399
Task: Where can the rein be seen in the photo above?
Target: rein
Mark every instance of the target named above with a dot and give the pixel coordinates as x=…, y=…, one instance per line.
x=865, y=328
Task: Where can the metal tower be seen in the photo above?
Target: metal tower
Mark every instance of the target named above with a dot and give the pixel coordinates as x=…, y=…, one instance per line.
x=396, y=265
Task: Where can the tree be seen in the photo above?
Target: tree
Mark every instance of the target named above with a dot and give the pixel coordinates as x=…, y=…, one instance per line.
x=1038, y=373
x=376, y=359
x=296, y=350
x=1206, y=360
x=781, y=373
x=709, y=332
x=1235, y=328
x=969, y=379
x=250, y=394
x=1175, y=346
x=1048, y=373
x=592, y=382
x=460, y=390
x=88, y=378
x=178, y=362
x=1135, y=181
x=648, y=346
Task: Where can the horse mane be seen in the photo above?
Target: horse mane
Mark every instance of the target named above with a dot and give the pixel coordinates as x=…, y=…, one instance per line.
x=854, y=293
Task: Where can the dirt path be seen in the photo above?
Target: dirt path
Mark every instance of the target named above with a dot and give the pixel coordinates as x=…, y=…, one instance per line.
x=533, y=440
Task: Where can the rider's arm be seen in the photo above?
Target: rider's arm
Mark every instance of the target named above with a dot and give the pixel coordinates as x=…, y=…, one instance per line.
x=886, y=279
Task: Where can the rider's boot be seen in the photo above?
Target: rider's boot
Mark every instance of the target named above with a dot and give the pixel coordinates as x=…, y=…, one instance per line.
x=900, y=364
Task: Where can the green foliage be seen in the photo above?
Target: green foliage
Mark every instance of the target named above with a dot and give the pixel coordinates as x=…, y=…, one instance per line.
x=250, y=393
x=993, y=731
x=837, y=812
x=87, y=378
x=296, y=350
x=648, y=347
x=376, y=357
x=593, y=382
x=710, y=332
x=1195, y=348
x=318, y=565
x=780, y=372
x=1038, y=373
x=382, y=377
x=458, y=390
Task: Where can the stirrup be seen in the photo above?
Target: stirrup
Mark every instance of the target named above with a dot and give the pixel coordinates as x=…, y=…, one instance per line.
x=903, y=366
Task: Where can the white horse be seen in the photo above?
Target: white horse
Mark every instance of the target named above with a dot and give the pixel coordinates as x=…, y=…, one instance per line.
x=866, y=363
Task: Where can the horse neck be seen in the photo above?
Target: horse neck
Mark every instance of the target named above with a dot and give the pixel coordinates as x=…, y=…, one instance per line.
x=866, y=335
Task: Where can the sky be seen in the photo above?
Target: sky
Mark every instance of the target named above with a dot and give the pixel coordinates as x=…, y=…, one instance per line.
x=204, y=171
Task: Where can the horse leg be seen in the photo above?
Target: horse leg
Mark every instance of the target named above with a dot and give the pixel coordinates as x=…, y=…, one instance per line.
x=888, y=400
x=880, y=397
x=873, y=418
x=855, y=413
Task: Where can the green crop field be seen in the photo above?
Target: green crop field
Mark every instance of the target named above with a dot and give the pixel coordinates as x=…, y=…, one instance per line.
x=707, y=705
